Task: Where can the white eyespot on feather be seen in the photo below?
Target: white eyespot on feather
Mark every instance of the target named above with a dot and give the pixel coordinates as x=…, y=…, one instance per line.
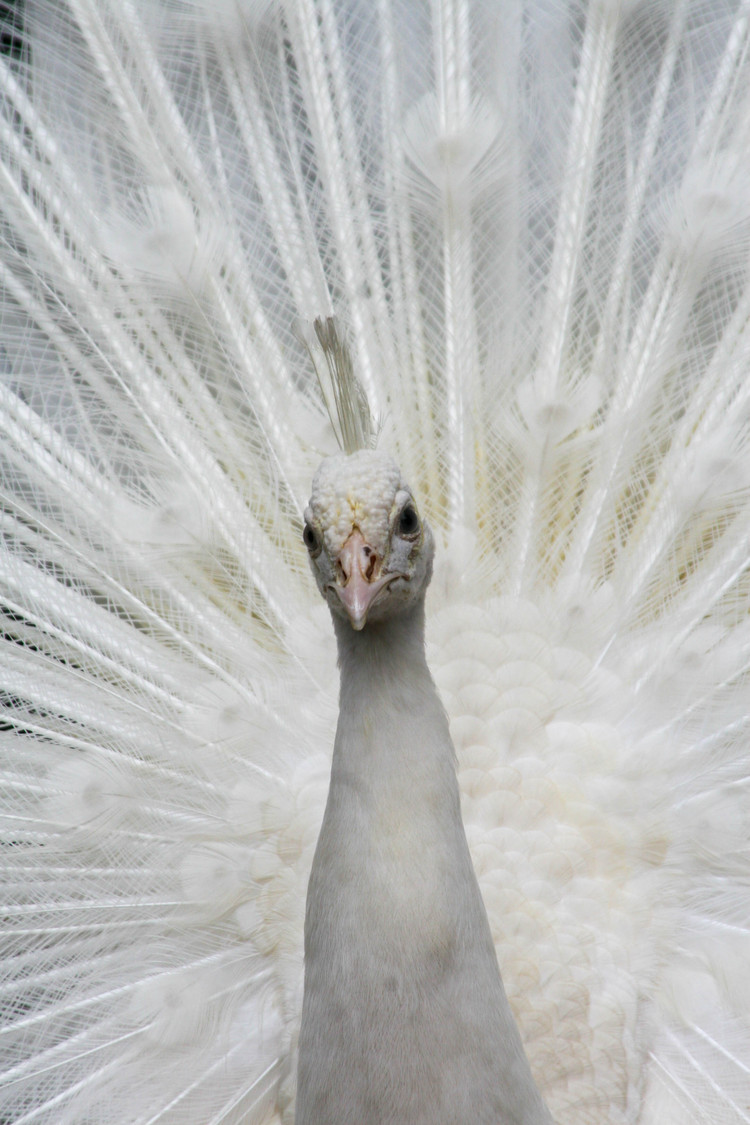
x=219, y=715
x=719, y=470
x=584, y=611
x=457, y=158
x=178, y=1008
x=216, y=878
x=710, y=213
x=556, y=418
x=176, y=519
x=161, y=239
x=88, y=795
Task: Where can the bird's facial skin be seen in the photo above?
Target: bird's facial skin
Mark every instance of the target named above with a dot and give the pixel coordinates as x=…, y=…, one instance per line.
x=369, y=551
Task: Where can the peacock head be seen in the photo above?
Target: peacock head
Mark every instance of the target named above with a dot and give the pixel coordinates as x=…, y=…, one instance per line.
x=370, y=552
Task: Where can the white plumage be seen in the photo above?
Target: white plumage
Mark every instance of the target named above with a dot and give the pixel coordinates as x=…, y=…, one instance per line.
x=532, y=220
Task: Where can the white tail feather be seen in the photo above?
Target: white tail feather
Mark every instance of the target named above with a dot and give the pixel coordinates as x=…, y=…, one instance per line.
x=533, y=223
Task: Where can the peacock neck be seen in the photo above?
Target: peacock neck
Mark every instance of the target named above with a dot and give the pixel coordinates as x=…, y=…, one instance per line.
x=384, y=647
x=388, y=699
x=404, y=1015
x=393, y=769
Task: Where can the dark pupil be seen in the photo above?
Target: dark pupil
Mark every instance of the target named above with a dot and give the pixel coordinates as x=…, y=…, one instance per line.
x=308, y=536
x=408, y=523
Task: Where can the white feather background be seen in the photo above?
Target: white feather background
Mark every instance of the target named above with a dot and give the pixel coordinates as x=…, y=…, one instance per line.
x=533, y=220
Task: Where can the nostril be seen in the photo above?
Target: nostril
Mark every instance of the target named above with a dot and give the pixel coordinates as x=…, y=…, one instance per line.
x=372, y=560
x=356, y=559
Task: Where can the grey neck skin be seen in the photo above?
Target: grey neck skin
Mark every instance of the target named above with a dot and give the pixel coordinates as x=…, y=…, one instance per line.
x=384, y=674
x=404, y=1017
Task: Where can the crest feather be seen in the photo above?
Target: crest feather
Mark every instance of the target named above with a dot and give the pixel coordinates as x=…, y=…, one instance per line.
x=344, y=397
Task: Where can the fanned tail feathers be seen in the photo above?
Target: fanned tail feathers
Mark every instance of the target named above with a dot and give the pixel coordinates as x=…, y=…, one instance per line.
x=533, y=224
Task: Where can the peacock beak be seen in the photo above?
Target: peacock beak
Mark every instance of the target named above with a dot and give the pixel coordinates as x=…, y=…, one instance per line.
x=358, y=578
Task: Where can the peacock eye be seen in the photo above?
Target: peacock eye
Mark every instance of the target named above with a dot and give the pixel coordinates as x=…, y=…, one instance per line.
x=311, y=539
x=408, y=523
